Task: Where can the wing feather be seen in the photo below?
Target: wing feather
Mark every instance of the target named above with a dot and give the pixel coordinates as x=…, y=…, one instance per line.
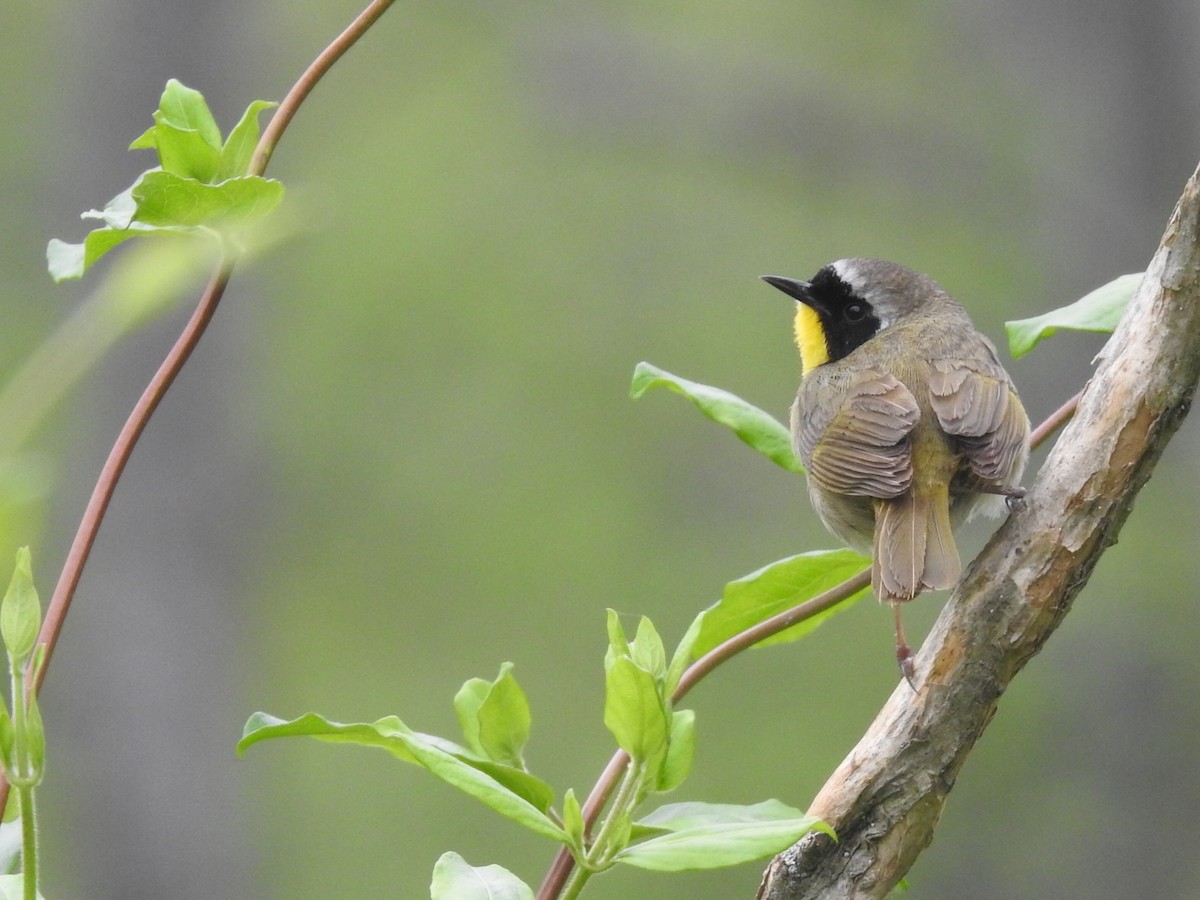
x=860, y=447
x=976, y=403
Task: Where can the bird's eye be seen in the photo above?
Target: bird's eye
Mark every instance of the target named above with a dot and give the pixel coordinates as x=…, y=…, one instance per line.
x=855, y=312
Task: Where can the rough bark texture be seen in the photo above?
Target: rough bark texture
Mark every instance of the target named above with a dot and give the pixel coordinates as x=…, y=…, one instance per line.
x=886, y=797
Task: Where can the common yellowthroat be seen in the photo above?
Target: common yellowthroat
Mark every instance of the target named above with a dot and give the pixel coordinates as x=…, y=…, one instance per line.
x=905, y=419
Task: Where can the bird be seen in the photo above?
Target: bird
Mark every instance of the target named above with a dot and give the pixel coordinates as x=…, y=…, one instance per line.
x=907, y=423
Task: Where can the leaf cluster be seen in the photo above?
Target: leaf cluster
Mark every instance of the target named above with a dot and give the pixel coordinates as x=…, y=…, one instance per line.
x=494, y=717
x=201, y=185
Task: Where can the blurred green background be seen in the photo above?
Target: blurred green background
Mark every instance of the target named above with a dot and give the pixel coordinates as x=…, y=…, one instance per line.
x=404, y=452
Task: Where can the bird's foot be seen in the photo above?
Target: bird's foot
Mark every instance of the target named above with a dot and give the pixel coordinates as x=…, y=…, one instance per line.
x=904, y=652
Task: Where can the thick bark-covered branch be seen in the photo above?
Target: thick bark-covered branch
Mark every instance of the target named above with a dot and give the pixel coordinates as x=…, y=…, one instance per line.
x=886, y=797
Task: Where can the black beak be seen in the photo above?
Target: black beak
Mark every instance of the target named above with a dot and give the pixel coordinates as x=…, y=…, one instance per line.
x=797, y=290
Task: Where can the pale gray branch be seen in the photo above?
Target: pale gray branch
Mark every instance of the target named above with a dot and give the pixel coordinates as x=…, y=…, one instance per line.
x=885, y=798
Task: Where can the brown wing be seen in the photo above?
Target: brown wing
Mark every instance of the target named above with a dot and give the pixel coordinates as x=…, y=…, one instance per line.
x=860, y=447
x=976, y=403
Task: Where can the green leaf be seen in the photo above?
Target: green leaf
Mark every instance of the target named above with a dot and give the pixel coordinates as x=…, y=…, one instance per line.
x=454, y=879
x=69, y=261
x=620, y=830
x=264, y=726
x=239, y=146
x=20, y=613
x=572, y=817
x=12, y=887
x=118, y=212
x=526, y=786
x=757, y=428
x=617, y=641
x=8, y=738
x=466, y=707
x=1099, y=311
x=681, y=750
x=495, y=717
x=684, y=654
x=647, y=651
x=778, y=587
x=504, y=720
x=635, y=713
x=12, y=812
x=35, y=741
x=167, y=200
x=510, y=792
x=479, y=782
x=184, y=152
x=711, y=835
x=184, y=108
x=184, y=133
x=180, y=195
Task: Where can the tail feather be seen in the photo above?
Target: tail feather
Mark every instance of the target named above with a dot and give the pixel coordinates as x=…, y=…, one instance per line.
x=914, y=546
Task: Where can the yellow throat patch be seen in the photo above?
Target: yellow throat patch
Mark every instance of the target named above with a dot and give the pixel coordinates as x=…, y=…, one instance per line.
x=810, y=338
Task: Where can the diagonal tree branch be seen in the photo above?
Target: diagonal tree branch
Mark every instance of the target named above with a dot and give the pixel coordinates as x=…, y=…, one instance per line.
x=885, y=798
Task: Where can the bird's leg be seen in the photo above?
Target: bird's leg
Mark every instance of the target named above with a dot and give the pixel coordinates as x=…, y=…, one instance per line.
x=903, y=651
x=1014, y=495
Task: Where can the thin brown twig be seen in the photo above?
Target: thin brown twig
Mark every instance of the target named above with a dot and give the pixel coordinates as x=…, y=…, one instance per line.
x=1054, y=421
x=307, y=81
x=173, y=363
x=110, y=474
x=764, y=629
x=563, y=862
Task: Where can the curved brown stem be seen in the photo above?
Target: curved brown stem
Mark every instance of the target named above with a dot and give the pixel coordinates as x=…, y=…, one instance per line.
x=307, y=81
x=110, y=474
x=180, y=352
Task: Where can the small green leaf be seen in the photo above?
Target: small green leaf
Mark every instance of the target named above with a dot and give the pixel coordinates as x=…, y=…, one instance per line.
x=35, y=741
x=572, y=817
x=466, y=707
x=454, y=879
x=264, y=726
x=495, y=717
x=1098, y=311
x=620, y=830
x=12, y=812
x=184, y=152
x=681, y=750
x=692, y=814
x=20, y=613
x=683, y=655
x=510, y=792
x=67, y=262
x=504, y=720
x=184, y=133
x=778, y=587
x=167, y=200
x=478, y=783
x=12, y=887
x=618, y=644
x=647, y=651
x=118, y=212
x=711, y=836
x=185, y=108
x=145, y=140
x=8, y=739
x=635, y=713
x=759, y=429
x=239, y=146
